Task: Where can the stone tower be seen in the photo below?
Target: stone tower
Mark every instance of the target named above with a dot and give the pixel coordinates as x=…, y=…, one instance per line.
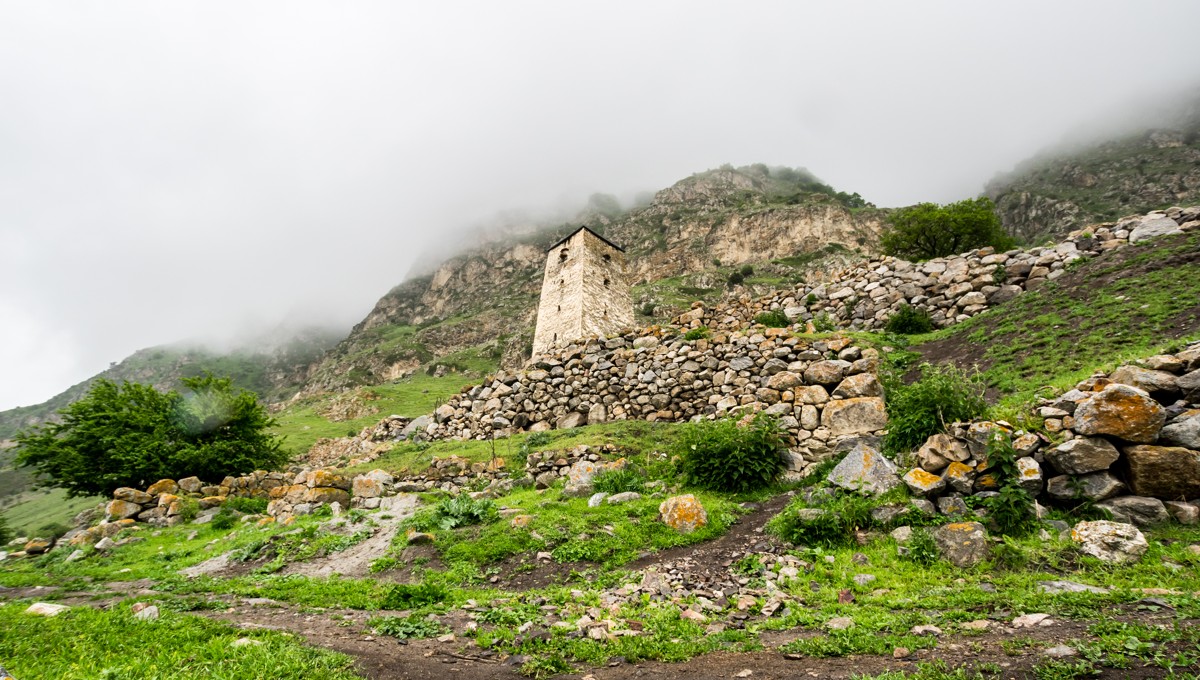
x=584, y=292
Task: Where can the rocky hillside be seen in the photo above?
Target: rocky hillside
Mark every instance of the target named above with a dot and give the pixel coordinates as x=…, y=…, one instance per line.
x=700, y=227
x=1064, y=189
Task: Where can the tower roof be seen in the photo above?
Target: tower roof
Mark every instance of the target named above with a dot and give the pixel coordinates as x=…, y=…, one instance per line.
x=569, y=236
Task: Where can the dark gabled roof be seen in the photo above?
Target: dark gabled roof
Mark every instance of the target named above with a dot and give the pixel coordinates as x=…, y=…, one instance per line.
x=584, y=228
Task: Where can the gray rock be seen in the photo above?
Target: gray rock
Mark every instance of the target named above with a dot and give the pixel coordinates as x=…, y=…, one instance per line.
x=622, y=497
x=597, y=499
x=1183, y=432
x=963, y=544
x=1083, y=455
x=1095, y=487
x=1054, y=587
x=1184, y=513
x=1121, y=411
x=951, y=506
x=1152, y=226
x=1138, y=510
x=1145, y=378
x=860, y=415
x=1112, y=542
x=865, y=470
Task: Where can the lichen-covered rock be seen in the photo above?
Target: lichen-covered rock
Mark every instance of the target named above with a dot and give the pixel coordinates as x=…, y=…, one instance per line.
x=1167, y=472
x=828, y=372
x=191, y=484
x=1094, y=487
x=923, y=483
x=860, y=415
x=960, y=477
x=1112, y=542
x=1082, y=455
x=683, y=513
x=163, y=486
x=365, y=487
x=784, y=380
x=963, y=544
x=327, y=494
x=1029, y=475
x=581, y=474
x=1121, y=411
x=865, y=470
x=37, y=546
x=132, y=496
x=328, y=479
x=415, y=537
x=859, y=385
x=1140, y=510
x=939, y=451
x=121, y=510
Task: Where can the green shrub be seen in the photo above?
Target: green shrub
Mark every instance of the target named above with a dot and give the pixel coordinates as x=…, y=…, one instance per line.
x=224, y=520
x=454, y=512
x=407, y=628
x=618, y=481
x=404, y=596
x=1012, y=511
x=736, y=279
x=747, y=270
x=6, y=533
x=942, y=395
x=999, y=275
x=909, y=321
x=52, y=530
x=929, y=230
x=188, y=509
x=645, y=310
x=716, y=262
x=824, y=323
x=724, y=456
x=773, y=319
x=696, y=333
x=828, y=526
x=249, y=506
x=921, y=547
x=810, y=300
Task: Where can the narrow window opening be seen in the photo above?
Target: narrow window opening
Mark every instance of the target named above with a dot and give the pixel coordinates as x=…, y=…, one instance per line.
x=562, y=255
x=607, y=257
x=560, y=308
x=606, y=283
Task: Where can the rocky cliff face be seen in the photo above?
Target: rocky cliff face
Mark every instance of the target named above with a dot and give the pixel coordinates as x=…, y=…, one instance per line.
x=487, y=298
x=1061, y=190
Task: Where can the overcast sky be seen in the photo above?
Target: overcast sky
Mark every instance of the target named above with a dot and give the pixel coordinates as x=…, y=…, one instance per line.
x=174, y=170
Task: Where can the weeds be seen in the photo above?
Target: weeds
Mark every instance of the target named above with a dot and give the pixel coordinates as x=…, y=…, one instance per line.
x=723, y=455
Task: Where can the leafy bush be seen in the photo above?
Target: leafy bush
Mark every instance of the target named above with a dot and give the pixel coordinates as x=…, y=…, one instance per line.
x=618, y=481
x=725, y=456
x=249, y=506
x=736, y=279
x=696, y=333
x=224, y=520
x=828, y=526
x=942, y=395
x=773, y=319
x=747, y=270
x=810, y=300
x=404, y=596
x=909, y=321
x=407, y=628
x=132, y=435
x=1012, y=511
x=921, y=547
x=929, y=230
x=188, y=509
x=538, y=439
x=824, y=323
x=454, y=512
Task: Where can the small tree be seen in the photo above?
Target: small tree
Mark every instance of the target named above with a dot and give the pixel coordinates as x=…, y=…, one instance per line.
x=132, y=435
x=929, y=230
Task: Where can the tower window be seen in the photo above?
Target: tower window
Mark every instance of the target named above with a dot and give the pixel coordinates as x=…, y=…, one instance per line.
x=562, y=255
x=607, y=257
x=606, y=283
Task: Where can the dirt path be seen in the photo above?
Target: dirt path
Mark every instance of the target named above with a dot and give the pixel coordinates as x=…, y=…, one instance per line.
x=355, y=561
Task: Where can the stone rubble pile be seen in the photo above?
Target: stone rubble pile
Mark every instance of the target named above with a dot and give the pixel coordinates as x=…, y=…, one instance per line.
x=951, y=289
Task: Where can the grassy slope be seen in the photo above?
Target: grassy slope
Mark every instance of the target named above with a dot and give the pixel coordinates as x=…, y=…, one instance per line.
x=33, y=510
x=1126, y=304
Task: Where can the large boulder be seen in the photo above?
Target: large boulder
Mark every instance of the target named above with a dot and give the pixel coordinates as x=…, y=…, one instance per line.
x=939, y=451
x=1083, y=455
x=828, y=372
x=1112, y=542
x=859, y=385
x=860, y=415
x=683, y=513
x=116, y=510
x=923, y=483
x=865, y=470
x=1152, y=226
x=1167, y=472
x=1145, y=378
x=132, y=496
x=1121, y=411
x=581, y=474
x=327, y=494
x=963, y=544
x=163, y=486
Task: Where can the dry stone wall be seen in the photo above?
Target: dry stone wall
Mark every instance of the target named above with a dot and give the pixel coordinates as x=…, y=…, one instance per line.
x=950, y=289
x=823, y=391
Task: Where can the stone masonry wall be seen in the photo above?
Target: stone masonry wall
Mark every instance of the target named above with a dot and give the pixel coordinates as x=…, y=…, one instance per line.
x=584, y=292
x=951, y=289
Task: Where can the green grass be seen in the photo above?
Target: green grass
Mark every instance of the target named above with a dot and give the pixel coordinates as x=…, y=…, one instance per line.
x=1055, y=336
x=39, y=508
x=416, y=395
x=86, y=643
